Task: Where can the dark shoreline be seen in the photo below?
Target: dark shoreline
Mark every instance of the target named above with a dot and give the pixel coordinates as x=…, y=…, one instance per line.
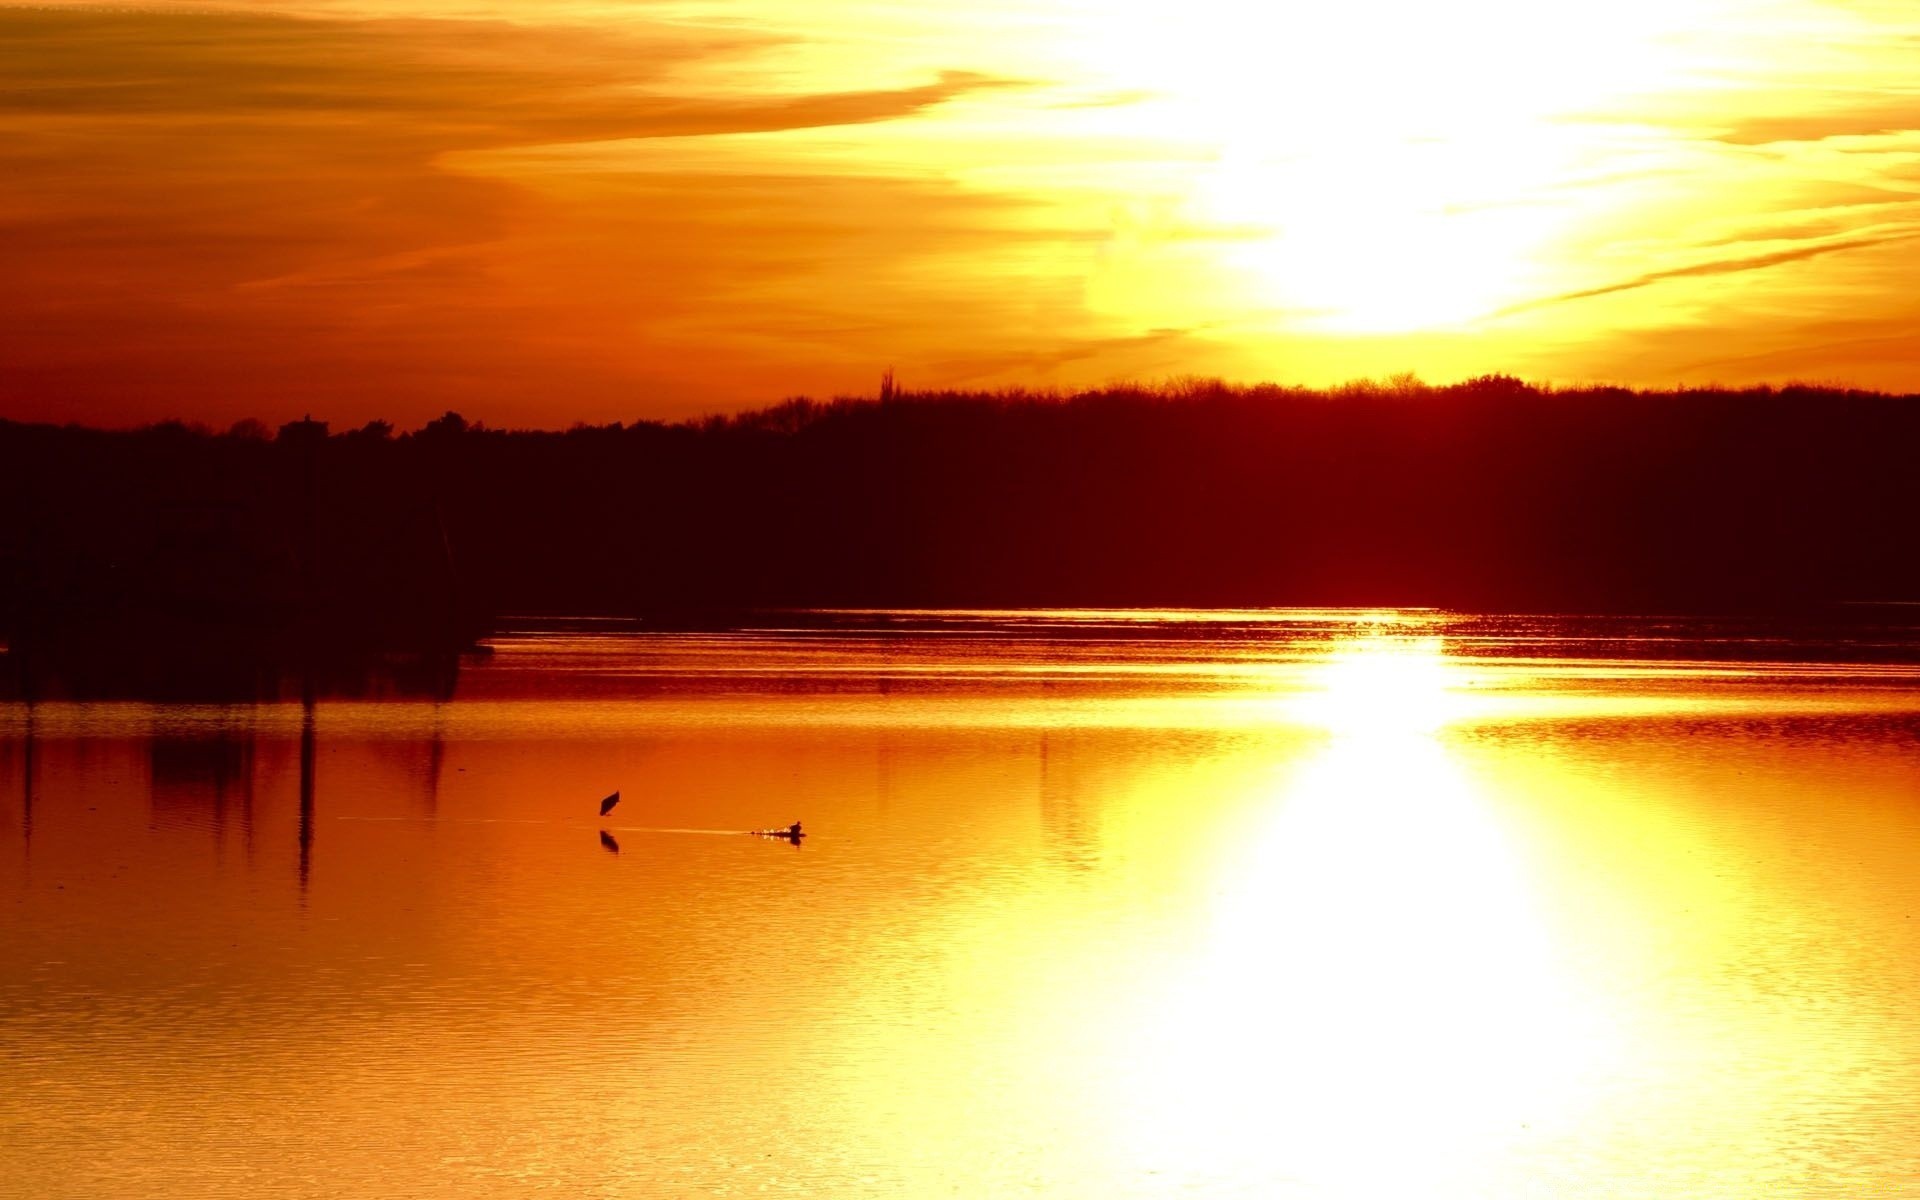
x=1490, y=496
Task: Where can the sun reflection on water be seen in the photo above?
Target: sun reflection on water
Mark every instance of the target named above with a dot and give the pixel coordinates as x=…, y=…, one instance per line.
x=1382, y=685
x=1375, y=1008
x=1278, y=916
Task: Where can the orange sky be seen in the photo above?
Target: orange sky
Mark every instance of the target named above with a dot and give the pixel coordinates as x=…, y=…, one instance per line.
x=543, y=212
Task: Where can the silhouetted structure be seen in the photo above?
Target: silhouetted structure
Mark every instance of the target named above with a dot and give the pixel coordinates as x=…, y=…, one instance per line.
x=1489, y=494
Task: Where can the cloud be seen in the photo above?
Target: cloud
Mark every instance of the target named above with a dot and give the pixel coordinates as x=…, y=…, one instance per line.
x=1887, y=357
x=1886, y=118
x=225, y=213
x=1722, y=266
x=227, y=66
x=1155, y=352
x=588, y=213
x=1878, y=350
x=437, y=83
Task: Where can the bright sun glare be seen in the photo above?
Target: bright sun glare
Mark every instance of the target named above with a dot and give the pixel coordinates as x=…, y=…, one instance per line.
x=1377, y=1000
x=1394, y=166
x=1383, y=685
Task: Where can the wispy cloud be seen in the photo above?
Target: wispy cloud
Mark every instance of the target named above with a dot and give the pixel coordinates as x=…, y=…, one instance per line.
x=1722, y=266
x=1876, y=349
x=1156, y=352
x=570, y=209
x=440, y=83
x=205, y=205
x=1884, y=116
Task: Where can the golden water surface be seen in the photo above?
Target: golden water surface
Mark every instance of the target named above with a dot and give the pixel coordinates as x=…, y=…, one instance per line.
x=1093, y=905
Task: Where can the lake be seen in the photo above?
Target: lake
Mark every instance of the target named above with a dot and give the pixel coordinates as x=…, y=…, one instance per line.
x=1092, y=904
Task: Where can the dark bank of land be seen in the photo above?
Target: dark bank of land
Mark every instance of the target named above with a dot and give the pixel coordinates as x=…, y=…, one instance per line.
x=1490, y=494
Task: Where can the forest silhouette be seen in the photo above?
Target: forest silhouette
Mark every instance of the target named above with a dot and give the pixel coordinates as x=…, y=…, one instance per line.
x=1490, y=494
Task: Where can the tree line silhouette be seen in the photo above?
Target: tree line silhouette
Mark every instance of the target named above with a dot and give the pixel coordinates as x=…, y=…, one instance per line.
x=1490, y=494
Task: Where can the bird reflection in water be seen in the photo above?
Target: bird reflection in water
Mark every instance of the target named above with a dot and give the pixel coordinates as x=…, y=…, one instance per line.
x=609, y=843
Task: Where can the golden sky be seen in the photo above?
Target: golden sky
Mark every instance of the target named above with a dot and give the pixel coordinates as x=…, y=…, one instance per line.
x=543, y=211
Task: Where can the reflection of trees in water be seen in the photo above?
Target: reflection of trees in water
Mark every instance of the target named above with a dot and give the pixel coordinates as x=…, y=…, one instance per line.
x=188, y=672
x=26, y=784
x=28, y=754
x=1068, y=826
x=204, y=780
x=436, y=761
x=201, y=779
x=307, y=755
x=886, y=749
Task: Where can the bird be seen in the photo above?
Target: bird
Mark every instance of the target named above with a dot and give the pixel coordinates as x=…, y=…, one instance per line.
x=606, y=806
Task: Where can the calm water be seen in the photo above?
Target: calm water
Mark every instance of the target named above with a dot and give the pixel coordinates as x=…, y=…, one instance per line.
x=1094, y=905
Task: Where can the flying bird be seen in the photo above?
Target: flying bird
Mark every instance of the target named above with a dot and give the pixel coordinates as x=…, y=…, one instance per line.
x=606, y=806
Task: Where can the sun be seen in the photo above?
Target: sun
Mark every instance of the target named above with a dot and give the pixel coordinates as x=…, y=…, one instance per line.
x=1395, y=166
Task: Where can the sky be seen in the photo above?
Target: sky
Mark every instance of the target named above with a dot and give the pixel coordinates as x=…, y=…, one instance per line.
x=538, y=212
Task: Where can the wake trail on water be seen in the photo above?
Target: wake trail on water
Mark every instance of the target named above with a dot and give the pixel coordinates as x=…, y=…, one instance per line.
x=538, y=821
x=666, y=829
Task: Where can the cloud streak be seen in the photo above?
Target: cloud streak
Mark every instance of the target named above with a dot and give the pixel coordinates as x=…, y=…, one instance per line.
x=1721, y=266
x=1884, y=119
x=447, y=83
x=203, y=205
x=573, y=211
